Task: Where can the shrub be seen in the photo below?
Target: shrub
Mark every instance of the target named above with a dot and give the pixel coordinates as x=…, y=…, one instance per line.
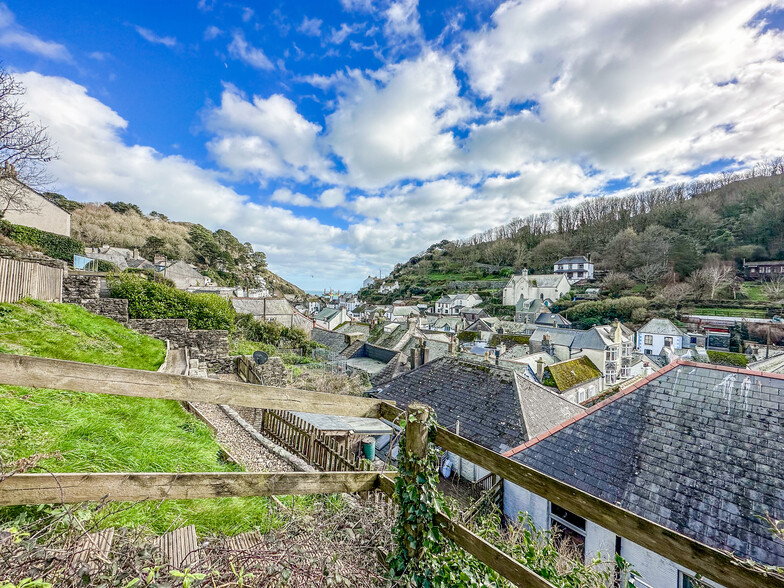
x=467, y=336
x=607, y=310
x=149, y=299
x=726, y=358
x=51, y=244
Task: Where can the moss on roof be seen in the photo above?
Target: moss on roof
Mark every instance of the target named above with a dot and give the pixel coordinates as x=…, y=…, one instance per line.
x=573, y=372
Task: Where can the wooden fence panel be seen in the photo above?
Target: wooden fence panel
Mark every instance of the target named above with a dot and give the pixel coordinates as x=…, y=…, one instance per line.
x=23, y=279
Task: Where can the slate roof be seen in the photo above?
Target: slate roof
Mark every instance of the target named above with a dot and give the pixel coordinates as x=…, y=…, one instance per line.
x=545, y=280
x=262, y=306
x=528, y=305
x=511, y=328
x=542, y=409
x=496, y=408
x=572, y=372
x=516, y=352
x=548, y=318
x=661, y=326
x=698, y=449
x=482, y=397
x=326, y=314
x=350, y=327
x=573, y=259
x=335, y=341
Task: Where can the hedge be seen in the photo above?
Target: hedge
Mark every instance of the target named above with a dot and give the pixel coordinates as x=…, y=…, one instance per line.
x=727, y=358
x=149, y=299
x=606, y=310
x=509, y=340
x=51, y=244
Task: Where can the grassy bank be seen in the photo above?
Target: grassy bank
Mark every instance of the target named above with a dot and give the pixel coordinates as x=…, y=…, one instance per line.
x=103, y=433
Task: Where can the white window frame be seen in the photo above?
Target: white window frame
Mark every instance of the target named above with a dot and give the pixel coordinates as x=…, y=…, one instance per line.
x=581, y=395
x=611, y=353
x=647, y=340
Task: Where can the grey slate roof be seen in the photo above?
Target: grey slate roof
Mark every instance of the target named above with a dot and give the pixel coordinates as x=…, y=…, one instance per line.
x=326, y=314
x=260, y=306
x=482, y=397
x=698, y=449
x=573, y=259
x=335, y=341
x=543, y=409
x=661, y=326
x=353, y=328
x=492, y=410
x=548, y=318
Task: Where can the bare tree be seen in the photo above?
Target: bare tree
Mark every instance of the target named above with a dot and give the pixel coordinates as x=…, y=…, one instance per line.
x=774, y=289
x=675, y=293
x=25, y=148
x=712, y=278
x=616, y=282
x=649, y=273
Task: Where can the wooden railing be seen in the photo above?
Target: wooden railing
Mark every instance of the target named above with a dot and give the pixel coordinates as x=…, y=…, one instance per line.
x=52, y=488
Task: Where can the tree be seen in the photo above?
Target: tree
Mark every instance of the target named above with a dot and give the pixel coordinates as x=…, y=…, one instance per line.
x=616, y=282
x=774, y=289
x=712, y=278
x=649, y=273
x=25, y=148
x=676, y=293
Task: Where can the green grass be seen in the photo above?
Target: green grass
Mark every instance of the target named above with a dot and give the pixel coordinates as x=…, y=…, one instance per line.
x=104, y=433
x=735, y=312
x=754, y=292
x=243, y=346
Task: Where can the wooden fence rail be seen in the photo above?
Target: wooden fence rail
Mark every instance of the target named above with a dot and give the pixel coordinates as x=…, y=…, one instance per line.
x=24, y=488
x=37, y=372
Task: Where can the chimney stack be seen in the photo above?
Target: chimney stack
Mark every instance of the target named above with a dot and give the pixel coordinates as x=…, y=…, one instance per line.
x=425, y=353
x=452, y=349
x=540, y=369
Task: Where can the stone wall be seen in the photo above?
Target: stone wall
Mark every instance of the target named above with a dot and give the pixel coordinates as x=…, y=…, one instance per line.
x=272, y=373
x=78, y=288
x=114, y=308
x=210, y=348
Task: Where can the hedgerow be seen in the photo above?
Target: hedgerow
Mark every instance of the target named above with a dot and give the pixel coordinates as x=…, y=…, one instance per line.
x=726, y=358
x=51, y=244
x=148, y=299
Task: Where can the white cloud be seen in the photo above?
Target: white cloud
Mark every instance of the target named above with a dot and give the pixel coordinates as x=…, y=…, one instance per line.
x=338, y=36
x=402, y=21
x=14, y=36
x=205, y=5
x=153, y=37
x=247, y=14
x=630, y=88
x=97, y=165
x=264, y=136
x=310, y=26
x=240, y=49
x=286, y=196
x=212, y=32
x=332, y=197
x=398, y=130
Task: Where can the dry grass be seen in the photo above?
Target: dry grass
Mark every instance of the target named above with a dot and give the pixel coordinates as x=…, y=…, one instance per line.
x=323, y=381
x=97, y=224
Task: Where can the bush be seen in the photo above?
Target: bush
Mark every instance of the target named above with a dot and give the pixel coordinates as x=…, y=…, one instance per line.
x=726, y=358
x=51, y=244
x=607, y=310
x=467, y=336
x=148, y=299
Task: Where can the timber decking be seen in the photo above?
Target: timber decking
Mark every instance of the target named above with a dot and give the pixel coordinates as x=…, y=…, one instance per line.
x=179, y=548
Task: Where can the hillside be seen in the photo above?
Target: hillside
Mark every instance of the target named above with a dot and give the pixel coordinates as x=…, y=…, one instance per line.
x=104, y=433
x=677, y=228
x=218, y=254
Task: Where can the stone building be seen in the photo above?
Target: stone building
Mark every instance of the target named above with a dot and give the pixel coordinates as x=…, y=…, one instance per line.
x=30, y=209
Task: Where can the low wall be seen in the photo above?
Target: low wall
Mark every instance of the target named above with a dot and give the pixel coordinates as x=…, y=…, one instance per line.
x=210, y=347
x=114, y=308
x=77, y=288
x=272, y=373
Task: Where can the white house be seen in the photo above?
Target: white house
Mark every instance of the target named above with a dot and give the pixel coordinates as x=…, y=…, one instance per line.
x=24, y=206
x=387, y=288
x=329, y=318
x=658, y=333
x=368, y=282
x=454, y=303
x=574, y=268
x=543, y=287
x=674, y=451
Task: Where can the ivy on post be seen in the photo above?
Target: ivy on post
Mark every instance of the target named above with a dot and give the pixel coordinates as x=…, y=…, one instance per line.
x=416, y=531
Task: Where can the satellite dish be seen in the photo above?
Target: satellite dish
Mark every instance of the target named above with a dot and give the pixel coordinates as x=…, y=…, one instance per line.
x=260, y=357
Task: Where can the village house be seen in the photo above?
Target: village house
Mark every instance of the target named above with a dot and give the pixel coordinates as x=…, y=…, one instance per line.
x=574, y=268
x=471, y=314
x=489, y=405
x=401, y=314
x=544, y=287
x=368, y=282
x=576, y=379
x=695, y=448
x=763, y=270
x=329, y=318
x=184, y=275
x=446, y=324
x=278, y=310
x=388, y=288
x=658, y=333
x=454, y=303
x=30, y=209
x=609, y=347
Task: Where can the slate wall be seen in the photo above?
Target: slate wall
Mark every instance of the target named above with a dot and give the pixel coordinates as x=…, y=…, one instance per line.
x=77, y=288
x=114, y=308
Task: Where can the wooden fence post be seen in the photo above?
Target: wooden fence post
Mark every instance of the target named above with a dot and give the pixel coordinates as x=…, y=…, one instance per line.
x=417, y=416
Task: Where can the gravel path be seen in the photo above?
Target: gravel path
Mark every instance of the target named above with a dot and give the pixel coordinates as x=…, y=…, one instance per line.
x=242, y=446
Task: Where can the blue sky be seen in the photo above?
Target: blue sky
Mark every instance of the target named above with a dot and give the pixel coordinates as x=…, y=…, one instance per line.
x=343, y=137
